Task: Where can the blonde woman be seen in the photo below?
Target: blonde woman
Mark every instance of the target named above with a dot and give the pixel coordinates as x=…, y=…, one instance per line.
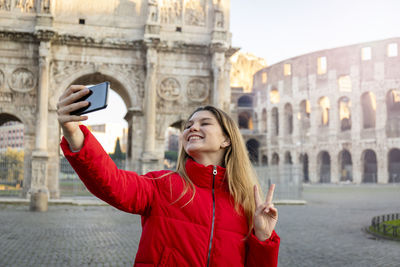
x=206, y=213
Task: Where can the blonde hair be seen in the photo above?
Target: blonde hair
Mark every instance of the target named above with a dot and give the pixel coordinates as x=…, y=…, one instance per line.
x=240, y=174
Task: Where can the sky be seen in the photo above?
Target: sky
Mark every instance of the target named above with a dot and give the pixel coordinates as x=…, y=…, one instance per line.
x=280, y=29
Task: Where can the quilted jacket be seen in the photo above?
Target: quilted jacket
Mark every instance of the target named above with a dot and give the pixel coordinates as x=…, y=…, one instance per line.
x=206, y=231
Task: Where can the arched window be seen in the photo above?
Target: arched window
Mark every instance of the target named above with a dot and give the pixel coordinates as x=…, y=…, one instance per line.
x=344, y=113
x=324, y=106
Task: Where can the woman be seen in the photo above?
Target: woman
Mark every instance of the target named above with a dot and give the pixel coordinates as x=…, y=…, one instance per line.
x=206, y=213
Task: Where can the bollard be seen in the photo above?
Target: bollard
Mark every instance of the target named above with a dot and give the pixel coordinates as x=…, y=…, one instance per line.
x=39, y=201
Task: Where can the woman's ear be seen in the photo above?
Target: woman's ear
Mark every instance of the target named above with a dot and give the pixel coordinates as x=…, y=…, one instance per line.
x=226, y=143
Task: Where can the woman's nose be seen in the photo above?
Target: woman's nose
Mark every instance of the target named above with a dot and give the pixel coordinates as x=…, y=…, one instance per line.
x=194, y=127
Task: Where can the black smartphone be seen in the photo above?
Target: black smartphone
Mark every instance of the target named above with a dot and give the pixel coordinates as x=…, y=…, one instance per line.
x=97, y=98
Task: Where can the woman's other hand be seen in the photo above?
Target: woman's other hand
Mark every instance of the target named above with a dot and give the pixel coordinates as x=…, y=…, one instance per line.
x=266, y=215
x=70, y=123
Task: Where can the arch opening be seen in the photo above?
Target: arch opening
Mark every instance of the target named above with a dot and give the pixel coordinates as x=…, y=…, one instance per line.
x=346, y=166
x=253, y=149
x=394, y=165
x=370, y=167
x=393, y=113
x=345, y=114
x=12, y=155
x=324, y=162
x=324, y=106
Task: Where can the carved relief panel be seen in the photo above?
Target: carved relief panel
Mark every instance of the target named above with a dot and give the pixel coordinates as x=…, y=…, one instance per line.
x=171, y=11
x=197, y=90
x=22, y=80
x=195, y=12
x=169, y=89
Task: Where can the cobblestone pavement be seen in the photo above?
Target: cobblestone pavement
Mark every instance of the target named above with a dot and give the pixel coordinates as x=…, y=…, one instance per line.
x=325, y=232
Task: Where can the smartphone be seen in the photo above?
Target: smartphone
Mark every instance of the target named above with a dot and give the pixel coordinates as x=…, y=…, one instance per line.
x=97, y=98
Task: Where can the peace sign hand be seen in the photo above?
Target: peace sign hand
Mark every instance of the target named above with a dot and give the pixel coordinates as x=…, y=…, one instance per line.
x=266, y=215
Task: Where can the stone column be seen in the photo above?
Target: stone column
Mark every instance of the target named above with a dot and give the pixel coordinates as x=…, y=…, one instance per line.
x=218, y=62
x=40, y=153
x=150, y=161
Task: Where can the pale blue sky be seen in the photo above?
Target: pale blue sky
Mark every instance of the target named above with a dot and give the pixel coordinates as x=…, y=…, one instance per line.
x=281, y=29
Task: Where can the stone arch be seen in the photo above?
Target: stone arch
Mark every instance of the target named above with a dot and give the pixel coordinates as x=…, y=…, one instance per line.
x=394, y=165
x=14, y=173
x=245, y=101
x=393, y=113
x=264, y=122
x=288, y=158
x=368, y=106
x=324, y=107
x=344, y=107
x=253, y=146
x=245, y=120
x=118, y=83
x=275, y=121
x=288, y=119
x=304, y=162
x=324, y=166
x=264, y=160
x=345, y=166
x=275, y=159
x=274, y=96
x=370, y=166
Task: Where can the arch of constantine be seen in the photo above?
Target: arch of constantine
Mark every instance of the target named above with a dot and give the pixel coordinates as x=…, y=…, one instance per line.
x=164, y=58
x=336, y=112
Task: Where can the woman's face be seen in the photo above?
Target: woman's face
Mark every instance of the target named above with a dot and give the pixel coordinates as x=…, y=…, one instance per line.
x=203, y=138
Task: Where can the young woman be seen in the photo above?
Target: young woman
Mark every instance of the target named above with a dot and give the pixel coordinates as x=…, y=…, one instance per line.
x=206, y=213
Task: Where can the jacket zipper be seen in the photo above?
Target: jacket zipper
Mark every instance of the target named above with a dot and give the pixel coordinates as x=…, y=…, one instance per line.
x=213, y=217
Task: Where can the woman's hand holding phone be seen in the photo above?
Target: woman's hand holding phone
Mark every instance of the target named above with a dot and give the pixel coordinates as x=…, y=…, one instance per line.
x=70, y=123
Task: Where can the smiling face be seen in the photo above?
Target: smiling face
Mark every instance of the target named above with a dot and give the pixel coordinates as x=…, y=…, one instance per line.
x=203, y=139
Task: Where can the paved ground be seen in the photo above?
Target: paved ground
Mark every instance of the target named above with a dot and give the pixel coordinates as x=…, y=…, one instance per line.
x=325, y=232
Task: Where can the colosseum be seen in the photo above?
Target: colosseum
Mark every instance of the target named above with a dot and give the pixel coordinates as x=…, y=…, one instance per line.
x=335, y=113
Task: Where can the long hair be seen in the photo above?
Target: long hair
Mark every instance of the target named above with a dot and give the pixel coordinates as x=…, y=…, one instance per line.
x=240, y=174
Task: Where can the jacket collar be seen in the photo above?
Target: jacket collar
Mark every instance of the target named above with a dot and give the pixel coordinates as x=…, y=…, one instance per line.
x=202, y=176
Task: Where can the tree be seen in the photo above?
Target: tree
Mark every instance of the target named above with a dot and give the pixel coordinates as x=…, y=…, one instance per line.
x=12, y=166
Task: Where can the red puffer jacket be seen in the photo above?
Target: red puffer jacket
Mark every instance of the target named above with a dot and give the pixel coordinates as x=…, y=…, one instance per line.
x=205, y=232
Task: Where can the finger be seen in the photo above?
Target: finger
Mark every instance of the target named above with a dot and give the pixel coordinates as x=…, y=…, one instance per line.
x=257, y=197
x=72, y=89
x=270, y=194
x=72, y=98
x=66, y=110
x=72, y=118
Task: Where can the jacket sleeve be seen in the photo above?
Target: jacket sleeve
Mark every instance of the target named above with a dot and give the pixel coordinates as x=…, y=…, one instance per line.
x=262, y=253
x=122, y=189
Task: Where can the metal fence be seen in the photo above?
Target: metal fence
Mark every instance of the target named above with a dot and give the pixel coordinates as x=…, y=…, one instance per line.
x=11, y=176
x=288, y=180
x=381, y=225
